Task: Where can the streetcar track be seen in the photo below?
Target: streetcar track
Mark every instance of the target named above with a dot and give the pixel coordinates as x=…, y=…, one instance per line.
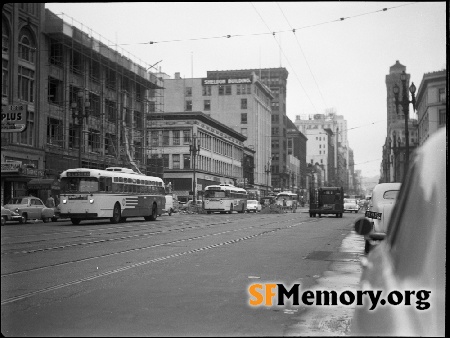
x=139, y=264
x=132, y=250
x=11, y=252
x=102, y=229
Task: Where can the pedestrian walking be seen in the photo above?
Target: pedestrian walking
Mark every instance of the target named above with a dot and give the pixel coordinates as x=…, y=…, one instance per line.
x=50, y=203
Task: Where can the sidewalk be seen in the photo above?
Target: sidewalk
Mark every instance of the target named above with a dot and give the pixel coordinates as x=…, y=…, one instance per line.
x=344, y=274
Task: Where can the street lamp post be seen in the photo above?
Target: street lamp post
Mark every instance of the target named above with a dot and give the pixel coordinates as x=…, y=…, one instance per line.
x=405, y=107
x=388, y=157
x=194, y=148
x=80, y=111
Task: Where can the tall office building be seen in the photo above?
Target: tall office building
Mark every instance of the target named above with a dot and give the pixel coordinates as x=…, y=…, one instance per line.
x=238, y=100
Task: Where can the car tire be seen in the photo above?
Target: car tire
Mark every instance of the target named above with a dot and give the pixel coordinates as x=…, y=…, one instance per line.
x=170, y=212
x=208, y=212
x=3, y=220
x=45, y=219
x=54, y=219
x=75, y=221
x=24, y=219
x=231, y=209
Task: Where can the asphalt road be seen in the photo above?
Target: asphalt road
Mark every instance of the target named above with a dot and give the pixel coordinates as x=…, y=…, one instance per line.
x=183, y=275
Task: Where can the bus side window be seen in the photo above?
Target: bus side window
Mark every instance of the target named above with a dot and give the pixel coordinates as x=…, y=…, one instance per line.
x=337, y=197
x=108, y=184
x=102, y=184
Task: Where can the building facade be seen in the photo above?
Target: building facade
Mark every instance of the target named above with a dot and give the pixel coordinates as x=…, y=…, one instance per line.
x=296, y=146
x=431, y=104
x=276, y=80
x=196, y=151
x=22, y=153
x=238, y=100
x=82, y=103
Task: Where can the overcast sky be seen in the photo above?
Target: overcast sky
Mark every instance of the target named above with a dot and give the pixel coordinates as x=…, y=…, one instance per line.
x=332, y=63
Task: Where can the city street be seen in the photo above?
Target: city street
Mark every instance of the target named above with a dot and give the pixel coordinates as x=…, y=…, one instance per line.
x=185, y=274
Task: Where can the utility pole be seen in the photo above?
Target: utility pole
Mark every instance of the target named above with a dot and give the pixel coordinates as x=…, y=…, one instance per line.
x=80, y=110
x=194, y=148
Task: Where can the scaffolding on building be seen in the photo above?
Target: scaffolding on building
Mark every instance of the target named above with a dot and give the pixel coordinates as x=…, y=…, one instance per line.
x=94, y=85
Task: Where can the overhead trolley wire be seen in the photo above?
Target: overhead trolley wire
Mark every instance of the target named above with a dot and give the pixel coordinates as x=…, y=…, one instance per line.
x=293, y=30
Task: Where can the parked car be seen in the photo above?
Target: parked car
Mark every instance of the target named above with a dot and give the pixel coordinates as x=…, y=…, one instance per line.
x=9, y=215
x=30, y=207
x=350, y=205
x=190, y=203
x=253, y=206
x=384, y=196
x=411, y=260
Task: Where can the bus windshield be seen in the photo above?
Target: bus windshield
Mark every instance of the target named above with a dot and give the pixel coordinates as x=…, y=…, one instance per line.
x=287, y=197
x=79, y=184
x=214, y=194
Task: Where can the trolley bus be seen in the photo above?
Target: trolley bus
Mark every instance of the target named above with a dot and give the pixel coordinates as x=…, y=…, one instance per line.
x=225, y=198
x=114, y=193
x=287, y=200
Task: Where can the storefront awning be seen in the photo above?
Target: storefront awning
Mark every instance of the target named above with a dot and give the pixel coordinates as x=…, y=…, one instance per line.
x=44, y=184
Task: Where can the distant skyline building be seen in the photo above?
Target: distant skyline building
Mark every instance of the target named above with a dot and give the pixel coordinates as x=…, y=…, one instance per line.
x=315, y=128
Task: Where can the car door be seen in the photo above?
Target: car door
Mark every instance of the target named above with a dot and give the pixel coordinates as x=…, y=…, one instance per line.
x=39, y=207
x=411, y=259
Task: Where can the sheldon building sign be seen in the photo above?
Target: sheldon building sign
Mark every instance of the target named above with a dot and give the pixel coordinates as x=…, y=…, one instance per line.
x=245, y=80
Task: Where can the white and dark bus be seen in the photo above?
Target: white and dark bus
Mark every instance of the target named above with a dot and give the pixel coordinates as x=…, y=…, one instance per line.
x=287, y=200
x=225, y=198
x=115, y=193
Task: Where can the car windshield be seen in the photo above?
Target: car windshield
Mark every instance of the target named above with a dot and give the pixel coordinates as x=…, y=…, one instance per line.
x=252, y=202
x=18, y=200
x=348, y=200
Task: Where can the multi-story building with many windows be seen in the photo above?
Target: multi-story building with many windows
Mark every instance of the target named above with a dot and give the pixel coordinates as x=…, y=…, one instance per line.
x=196, y=151
x=82, y=103
x=325, y=133
x=239, y=101
x=276, y=80
x=296, y=146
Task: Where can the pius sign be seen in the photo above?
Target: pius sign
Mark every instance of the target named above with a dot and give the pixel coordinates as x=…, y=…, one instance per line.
x=13, y=118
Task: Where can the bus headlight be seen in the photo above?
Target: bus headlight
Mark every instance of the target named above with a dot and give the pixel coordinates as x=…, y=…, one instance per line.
x=221, y=202
x=91, y=201
x=207, y=202
x=64, y=201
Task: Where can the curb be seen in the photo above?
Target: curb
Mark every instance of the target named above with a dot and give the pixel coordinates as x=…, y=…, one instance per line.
x=344, y=274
